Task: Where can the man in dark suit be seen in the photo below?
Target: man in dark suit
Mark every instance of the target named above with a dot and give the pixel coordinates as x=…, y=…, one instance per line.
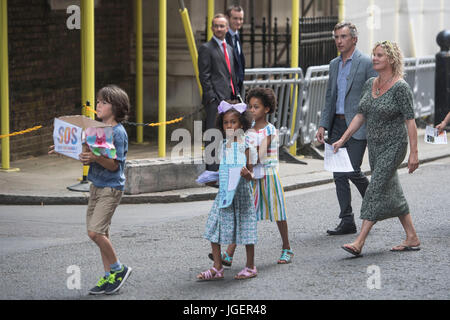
x=347, y=76
x=235, y=16
x=217, y=74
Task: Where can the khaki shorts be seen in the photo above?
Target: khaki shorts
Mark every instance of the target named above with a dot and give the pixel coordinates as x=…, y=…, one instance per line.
x=102, y=204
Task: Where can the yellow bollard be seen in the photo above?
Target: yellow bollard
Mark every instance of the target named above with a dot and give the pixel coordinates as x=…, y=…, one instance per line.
x=341, y=14
x=87, y=75
x=88, y=55
x=139, y=72
x=295, y=33
x=191, y=44
x=211, y=9
x=341, y=10
x=4, y=83
x=162, y=77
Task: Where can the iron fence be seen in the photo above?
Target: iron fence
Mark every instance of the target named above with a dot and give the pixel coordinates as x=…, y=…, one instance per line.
x=268, y=44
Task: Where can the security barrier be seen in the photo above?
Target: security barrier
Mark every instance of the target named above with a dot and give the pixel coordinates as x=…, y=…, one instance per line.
x=311, y=89
x=315, y=93
x=420, y=77
x=285, y=82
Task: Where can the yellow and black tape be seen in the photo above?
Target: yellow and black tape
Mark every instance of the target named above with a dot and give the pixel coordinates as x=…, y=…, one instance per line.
x=154, y=124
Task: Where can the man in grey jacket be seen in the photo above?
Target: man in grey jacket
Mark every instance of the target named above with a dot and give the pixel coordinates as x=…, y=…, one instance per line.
x=347, y=76
x=217, y=74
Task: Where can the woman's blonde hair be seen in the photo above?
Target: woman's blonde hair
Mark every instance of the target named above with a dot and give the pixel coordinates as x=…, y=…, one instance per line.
x=394, y=54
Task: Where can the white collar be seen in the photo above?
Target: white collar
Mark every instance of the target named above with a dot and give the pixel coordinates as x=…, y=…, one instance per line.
x=219, y=42
x=233, y=33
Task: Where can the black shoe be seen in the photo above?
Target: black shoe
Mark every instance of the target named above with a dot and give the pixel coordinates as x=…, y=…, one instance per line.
x=100, y=287
x=117, y=279
x=343, y=228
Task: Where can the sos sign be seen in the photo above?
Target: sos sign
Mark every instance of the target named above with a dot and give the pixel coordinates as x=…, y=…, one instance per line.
x=67, y=139
x=67, y=135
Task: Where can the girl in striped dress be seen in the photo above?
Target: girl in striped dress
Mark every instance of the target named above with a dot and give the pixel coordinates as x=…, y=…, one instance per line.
x=268, y=192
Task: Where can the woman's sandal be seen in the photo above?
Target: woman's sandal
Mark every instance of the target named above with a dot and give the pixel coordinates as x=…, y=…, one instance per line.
x=227, y=260
x=246, y=273
x=402, y=248
x=351, y=249
x=286, y=256
x=208, y=276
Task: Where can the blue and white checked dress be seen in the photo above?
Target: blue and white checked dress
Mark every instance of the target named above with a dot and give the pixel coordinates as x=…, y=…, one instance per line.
x=236, y=223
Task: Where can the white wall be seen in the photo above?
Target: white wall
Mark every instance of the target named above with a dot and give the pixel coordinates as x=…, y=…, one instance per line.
x=414, y=24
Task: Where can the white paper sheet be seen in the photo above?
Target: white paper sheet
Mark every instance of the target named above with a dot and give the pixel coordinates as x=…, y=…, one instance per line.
x=432, y=136
x=258, y=171
x=234, y=174
x=337, y=162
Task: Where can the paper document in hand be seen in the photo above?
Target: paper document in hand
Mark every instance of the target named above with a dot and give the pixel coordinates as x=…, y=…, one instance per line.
x=234, y=175
x=337, y=162
x=433, y=137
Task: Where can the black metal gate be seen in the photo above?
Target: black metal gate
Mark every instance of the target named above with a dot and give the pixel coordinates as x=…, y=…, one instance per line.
x=269, y=43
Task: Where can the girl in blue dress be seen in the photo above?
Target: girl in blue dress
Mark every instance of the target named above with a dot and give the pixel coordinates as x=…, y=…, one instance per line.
x=232, y=218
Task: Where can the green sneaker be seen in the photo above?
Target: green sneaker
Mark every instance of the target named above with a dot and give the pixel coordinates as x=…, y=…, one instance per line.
x=100, y=287
x=117, y=279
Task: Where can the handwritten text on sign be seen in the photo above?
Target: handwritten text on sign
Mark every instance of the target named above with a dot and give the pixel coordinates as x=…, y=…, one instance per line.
x=67, y=139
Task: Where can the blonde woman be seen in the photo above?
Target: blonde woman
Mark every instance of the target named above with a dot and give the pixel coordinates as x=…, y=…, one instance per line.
x=387, y=107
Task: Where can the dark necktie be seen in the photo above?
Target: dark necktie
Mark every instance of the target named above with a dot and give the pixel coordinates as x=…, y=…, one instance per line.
x=236, y=44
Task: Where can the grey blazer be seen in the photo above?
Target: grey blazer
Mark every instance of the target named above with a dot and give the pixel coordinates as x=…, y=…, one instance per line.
x=213, y=72
x=360, y=72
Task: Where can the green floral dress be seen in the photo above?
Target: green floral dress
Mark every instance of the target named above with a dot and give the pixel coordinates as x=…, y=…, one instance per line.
x=387, y=141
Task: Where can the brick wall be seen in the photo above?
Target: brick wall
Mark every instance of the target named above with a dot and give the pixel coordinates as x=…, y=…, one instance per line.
x=45, y=63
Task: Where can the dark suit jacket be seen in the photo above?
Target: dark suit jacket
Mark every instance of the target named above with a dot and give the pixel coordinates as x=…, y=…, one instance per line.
x=239, y=60
x=213, y=72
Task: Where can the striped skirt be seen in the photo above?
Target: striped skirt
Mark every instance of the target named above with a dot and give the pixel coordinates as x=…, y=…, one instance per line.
x=268, y=196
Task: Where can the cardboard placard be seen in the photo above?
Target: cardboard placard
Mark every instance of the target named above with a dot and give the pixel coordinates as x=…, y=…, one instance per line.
x=69, y=134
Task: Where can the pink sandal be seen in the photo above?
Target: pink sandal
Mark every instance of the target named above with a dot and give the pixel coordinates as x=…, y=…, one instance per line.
x=208, y=276
x=246, y=273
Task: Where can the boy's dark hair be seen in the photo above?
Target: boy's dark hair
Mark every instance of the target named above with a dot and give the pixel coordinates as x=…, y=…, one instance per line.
x=119, y=100
x=244, y=118
x=266, y=95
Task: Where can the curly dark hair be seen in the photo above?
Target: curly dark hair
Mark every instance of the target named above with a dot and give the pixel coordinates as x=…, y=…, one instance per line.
x=266, y=95
x=244, y=118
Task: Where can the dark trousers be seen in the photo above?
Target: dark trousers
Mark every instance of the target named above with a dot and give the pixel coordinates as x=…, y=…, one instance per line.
x=355, y=149
x=210, y=123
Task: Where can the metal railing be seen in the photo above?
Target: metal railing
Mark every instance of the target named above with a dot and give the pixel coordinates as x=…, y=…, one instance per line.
x=315, y=91
x=285, y=82
x=311, y=91
x=419, y=73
